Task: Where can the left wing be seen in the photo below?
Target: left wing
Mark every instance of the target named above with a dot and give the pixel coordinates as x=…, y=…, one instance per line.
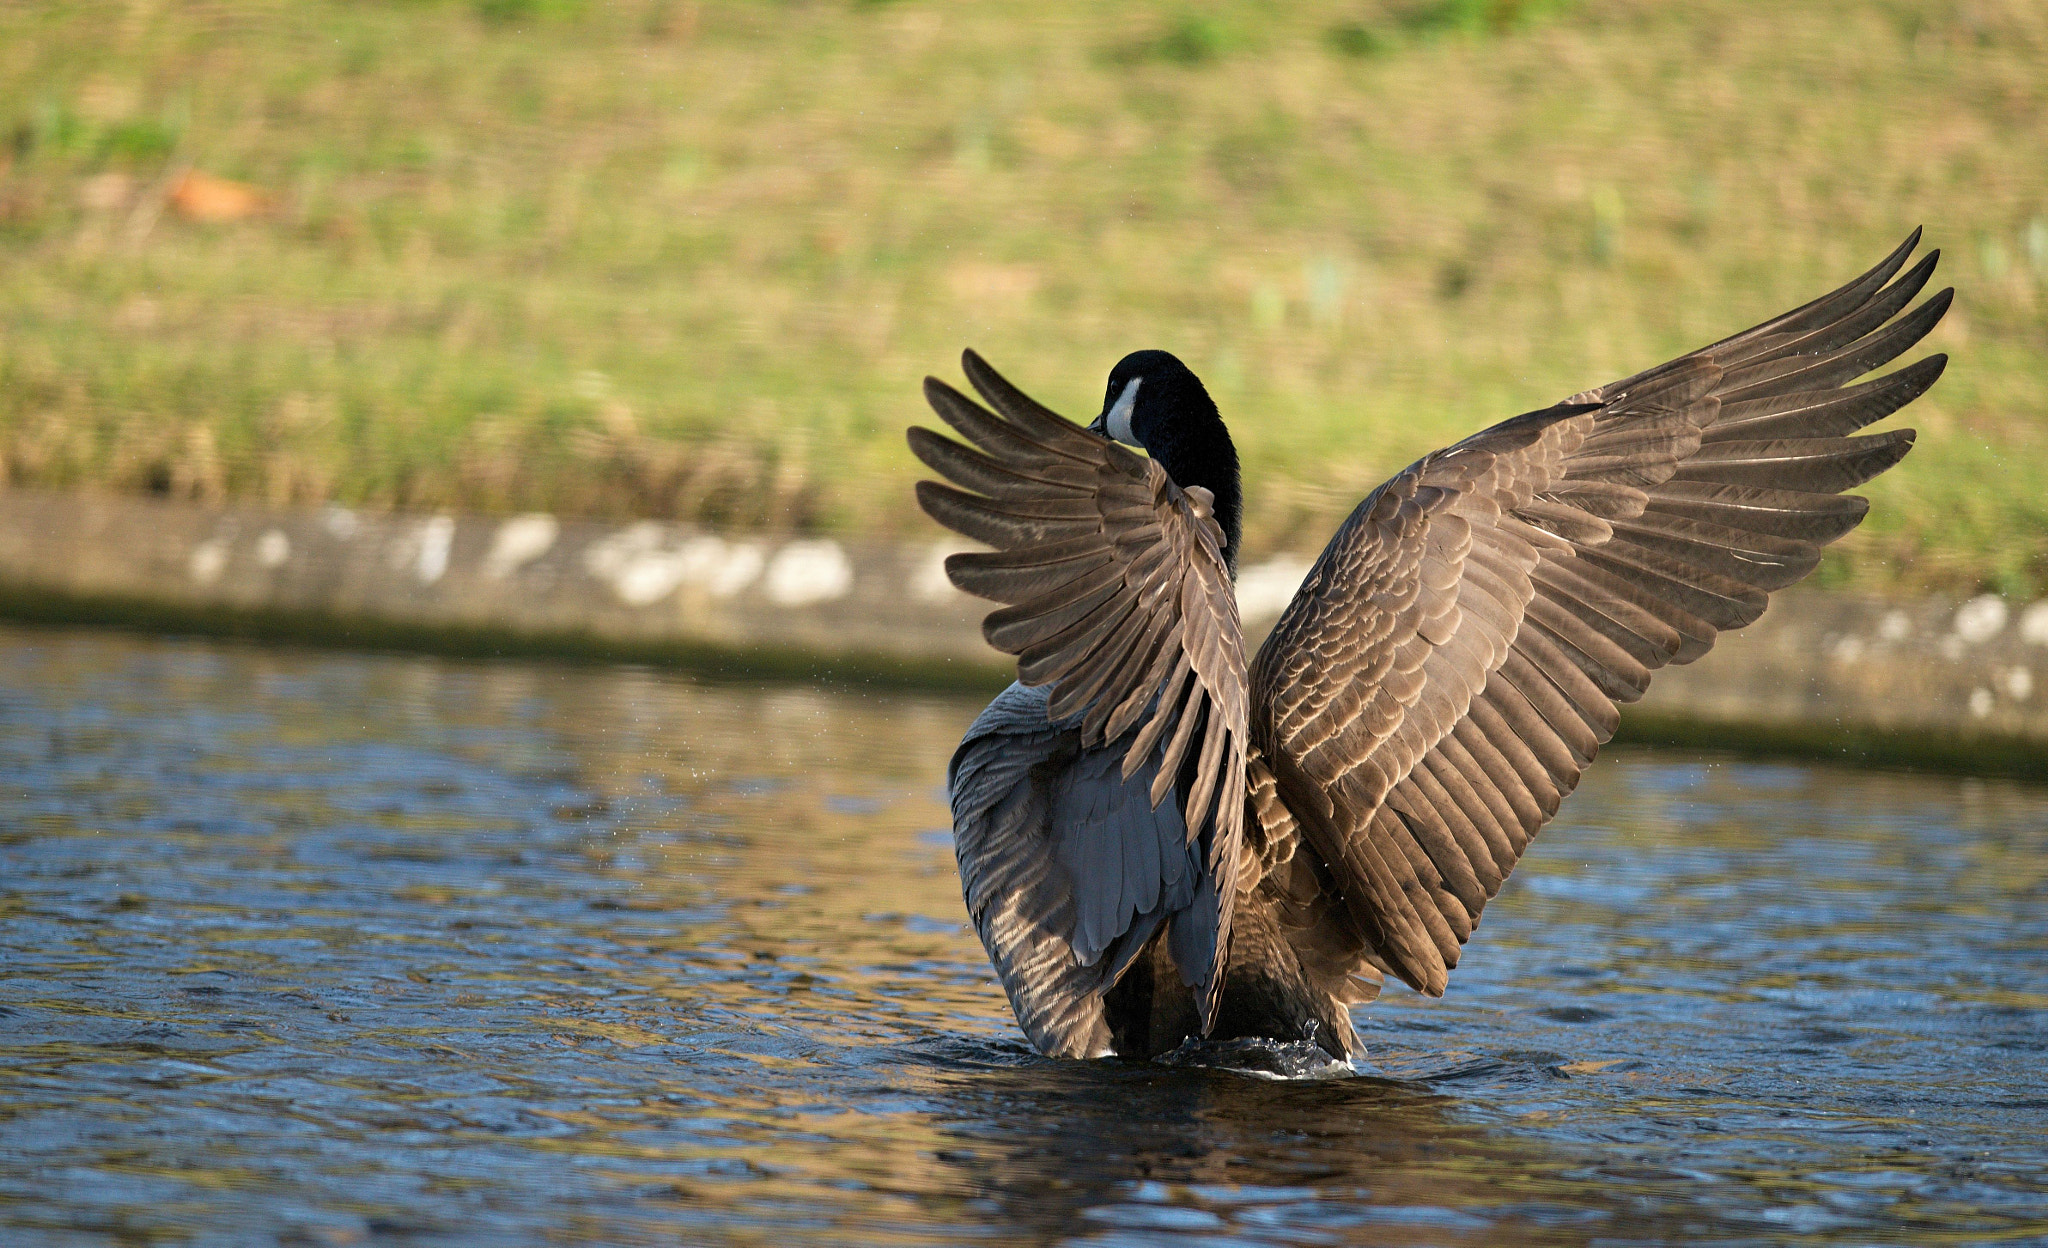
x=1119, y=599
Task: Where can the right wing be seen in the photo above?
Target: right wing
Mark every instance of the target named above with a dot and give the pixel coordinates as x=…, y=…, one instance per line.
x=1456, y=656
x=1120, y=600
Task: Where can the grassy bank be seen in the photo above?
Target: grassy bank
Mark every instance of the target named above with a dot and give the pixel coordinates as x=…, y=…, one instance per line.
x=673, y=259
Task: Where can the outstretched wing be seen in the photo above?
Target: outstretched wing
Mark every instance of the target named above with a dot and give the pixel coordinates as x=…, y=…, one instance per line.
x=1457, y=654
x=1118, y=599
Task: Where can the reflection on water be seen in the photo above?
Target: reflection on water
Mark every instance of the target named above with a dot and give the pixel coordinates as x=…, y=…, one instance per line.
x=331, y=949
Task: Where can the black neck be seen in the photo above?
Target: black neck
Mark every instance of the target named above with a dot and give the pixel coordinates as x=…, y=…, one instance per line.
x=1205, y=456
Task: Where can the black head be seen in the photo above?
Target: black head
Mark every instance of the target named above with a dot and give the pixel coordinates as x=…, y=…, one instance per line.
x=1156, y=403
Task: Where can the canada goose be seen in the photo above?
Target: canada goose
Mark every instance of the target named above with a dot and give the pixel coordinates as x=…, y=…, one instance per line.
x=1345, y=804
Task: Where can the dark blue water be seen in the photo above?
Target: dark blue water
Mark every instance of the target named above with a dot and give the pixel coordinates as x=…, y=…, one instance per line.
x=328, y=949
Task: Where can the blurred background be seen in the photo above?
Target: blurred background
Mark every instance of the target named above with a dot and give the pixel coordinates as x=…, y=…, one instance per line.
x=654, y=258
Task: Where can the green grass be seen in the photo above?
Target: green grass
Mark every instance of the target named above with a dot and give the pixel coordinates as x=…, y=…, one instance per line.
x=661, y=258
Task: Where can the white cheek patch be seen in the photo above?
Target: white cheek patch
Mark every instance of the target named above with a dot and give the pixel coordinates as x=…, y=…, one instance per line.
x=1120, y=414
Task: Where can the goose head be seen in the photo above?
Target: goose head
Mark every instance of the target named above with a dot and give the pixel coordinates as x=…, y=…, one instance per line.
x=1157, y=404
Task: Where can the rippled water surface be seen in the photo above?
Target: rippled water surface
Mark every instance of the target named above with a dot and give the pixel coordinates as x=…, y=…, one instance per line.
x=331, y=949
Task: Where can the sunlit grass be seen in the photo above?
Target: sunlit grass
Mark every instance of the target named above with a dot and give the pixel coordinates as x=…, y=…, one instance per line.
x=674, y=259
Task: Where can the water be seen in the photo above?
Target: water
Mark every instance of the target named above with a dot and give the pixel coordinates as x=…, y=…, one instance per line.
x=328, y=949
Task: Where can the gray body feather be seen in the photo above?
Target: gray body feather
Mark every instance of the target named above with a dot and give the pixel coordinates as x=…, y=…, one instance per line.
x=1068, y=868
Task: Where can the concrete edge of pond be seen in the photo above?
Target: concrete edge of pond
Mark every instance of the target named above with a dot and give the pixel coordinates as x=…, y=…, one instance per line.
x=1926, y=683
x=34, y=606
x=1988, y=754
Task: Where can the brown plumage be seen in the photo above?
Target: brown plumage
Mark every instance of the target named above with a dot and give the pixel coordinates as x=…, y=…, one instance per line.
x=1120, y=599
x=1449, y=668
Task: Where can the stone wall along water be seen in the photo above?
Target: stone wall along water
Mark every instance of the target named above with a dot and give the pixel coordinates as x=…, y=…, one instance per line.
x=1819, y=662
